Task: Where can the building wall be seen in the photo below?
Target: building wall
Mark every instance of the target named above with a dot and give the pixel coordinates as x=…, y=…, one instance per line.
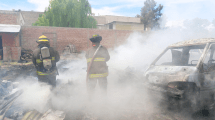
x=75, y=36
x=8, y=39
x=100, y=19
x=110, y=19
x=7, y=17
x=127, y=26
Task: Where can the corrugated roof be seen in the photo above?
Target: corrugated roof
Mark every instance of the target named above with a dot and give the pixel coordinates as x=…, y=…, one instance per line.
x=193, y=42
x=9, y=28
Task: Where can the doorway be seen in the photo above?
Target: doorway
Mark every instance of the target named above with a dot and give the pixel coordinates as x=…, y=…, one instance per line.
x=1, y=49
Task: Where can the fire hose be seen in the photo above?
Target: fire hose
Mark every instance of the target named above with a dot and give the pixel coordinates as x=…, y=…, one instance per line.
x=91, y=62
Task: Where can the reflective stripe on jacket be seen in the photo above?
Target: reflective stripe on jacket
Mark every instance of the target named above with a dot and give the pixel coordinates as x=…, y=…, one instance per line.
x=99, y=65
x=98, y=75
x=46, y=73
x=41, y=73
x=95, y=59
x=38, y=61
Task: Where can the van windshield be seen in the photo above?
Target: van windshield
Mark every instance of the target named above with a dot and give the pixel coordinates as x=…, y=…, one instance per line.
x=181, y=56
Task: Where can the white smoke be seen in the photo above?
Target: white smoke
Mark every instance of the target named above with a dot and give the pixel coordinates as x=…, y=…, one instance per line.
x=35, y=95
x=124, y=100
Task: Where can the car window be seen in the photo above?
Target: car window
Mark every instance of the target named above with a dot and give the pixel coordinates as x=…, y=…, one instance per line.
x=181, y=56
x=195, y=54
x=169, y=57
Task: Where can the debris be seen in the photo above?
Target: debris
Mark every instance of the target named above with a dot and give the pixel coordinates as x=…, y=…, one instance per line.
x=26, y=55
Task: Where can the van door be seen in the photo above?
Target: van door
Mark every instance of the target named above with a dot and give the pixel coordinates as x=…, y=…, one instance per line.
x=1, y=49
x=208, y=82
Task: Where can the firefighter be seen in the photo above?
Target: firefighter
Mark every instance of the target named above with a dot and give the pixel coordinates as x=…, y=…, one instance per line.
x=45, y=58
x=97, y=69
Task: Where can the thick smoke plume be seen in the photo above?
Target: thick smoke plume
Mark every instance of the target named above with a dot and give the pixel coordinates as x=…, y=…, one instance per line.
x=124, y=100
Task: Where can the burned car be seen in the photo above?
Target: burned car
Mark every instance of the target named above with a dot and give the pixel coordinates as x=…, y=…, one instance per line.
x=185, y=73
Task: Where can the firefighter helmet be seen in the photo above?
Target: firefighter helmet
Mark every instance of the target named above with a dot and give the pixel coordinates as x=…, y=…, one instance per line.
x=96, y=38
x=43, y=39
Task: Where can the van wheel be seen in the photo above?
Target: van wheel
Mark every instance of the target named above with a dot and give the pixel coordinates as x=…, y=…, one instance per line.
x=174, y=104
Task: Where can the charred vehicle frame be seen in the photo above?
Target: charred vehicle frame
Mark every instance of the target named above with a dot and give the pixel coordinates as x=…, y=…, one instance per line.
x=185, y=73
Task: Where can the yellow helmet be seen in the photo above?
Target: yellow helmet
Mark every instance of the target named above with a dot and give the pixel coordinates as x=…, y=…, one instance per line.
x=43, y=39
x=96, y=38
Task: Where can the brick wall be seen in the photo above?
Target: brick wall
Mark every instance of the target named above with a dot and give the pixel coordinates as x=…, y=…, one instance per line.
x=8, y=18
x=10, y=43
x=6, y=53
x=15, y=53
x=76, y=36
x=8, y=39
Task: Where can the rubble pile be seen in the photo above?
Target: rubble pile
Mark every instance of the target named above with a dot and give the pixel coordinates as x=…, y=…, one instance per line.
x=11, y=71
x=9, y=92
x=11, y=110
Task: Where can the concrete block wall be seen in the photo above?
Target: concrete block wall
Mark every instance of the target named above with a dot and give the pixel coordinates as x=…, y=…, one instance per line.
x=7, y=55
x=76, y=36
x=11, y=53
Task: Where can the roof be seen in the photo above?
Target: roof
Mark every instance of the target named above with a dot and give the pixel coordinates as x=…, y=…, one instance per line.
x=193, y=42
x=30, y=17
x=105, y=19
x=9, y=28
x=124, y=22
x=8, y=12
x=100, y=19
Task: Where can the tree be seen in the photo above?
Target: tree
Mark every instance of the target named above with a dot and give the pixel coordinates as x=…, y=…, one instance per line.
x=150, y=14
x=137, y=16
x=68, y=13
x=42, y=21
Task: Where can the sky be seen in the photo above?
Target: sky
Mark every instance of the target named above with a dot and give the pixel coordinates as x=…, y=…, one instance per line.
x=176, y=11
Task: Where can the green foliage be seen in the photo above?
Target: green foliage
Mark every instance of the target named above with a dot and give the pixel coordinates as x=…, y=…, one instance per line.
x=68, y=13
x=42, y=21
x=150, y=14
